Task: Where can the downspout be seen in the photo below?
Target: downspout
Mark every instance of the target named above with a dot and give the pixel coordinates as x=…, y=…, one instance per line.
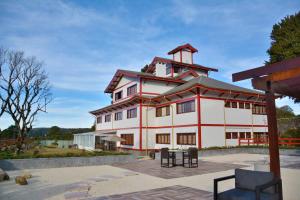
x=172, y=122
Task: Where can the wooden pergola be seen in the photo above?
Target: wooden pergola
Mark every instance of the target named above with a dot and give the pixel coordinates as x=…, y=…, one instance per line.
x=281, y=78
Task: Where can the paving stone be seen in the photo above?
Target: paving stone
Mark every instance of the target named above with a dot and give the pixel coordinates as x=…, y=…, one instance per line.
x=176, y=192
x=76, y=195
x=153, y=168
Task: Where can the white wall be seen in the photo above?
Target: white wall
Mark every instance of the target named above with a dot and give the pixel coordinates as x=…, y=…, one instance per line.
x=187, y=57
x=136, y=138
x=124, y=123
x=212, y=111
x=160, y=69
x=177, y=56
x=238, y=116
x=124, y=83
x=157, y=86
x=213, y=136
x=260, y=119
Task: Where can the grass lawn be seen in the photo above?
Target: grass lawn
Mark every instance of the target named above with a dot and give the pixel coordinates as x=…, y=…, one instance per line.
x=46, y=152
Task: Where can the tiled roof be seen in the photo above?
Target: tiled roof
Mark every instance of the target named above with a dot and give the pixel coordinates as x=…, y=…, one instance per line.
x=210, y=83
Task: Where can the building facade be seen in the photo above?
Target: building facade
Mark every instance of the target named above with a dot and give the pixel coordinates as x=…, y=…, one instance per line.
x=174, y=103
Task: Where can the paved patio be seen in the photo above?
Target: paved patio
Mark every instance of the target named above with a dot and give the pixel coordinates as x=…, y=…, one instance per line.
x=176, y=192
x=153, y=168
x=140, y=180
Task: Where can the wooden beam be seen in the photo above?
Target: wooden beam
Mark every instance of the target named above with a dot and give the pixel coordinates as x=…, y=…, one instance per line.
x=280, y=76
x=265, y=70
x=250, y=97
x=205, y=91
x=179, y=96
x=235, y=96
x=192, y=91
x=221, y=94
x=272, y=132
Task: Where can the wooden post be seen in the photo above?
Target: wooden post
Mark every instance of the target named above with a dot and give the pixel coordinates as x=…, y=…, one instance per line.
x=272, y=131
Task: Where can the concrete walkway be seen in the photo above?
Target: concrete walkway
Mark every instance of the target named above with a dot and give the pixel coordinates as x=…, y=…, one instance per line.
x=105, y=182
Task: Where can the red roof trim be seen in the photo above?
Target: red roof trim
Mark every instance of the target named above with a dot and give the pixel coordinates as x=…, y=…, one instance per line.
x=165, y=60
x=118, y=75
x=185, y=46
x=185, y=74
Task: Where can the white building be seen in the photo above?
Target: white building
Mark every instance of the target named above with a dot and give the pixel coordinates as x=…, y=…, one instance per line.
x=174, y=103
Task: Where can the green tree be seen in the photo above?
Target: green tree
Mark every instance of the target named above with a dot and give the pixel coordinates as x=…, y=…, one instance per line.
x=54, y=133
x=93, y=128
x=285, y=38
x=10, y=133
x=285, y=112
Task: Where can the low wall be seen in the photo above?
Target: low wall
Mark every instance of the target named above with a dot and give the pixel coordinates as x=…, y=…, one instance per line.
x=40, y=163
x=216, y=152
x=61, y=143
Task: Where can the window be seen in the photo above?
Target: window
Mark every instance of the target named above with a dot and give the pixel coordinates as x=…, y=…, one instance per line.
x=259, y=109
x=132, y=90
x=118, y=96
x=241, y=105
x=99, y=120
x=118, y=116
x=131, y=113
x=186, y=107
x=242, y=135
x=234, y=104
x=163, y=111
x=128, y=139
x=228, y=135
x=107, y=118
x=227, y=104
x=248, y=135
x=231, y=135
x=186, y=138
x=163, y=138
x=168, y=69
x=234, y=135
x=247, y=105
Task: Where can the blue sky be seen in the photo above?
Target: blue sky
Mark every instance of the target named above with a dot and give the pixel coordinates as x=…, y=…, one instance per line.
x=83, y=43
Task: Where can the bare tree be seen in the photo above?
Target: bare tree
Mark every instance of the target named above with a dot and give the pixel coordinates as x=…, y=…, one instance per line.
x=27, y=91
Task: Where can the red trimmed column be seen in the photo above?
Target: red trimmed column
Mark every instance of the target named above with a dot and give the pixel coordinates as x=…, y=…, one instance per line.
x=199, y=119
x=180, y=56
x=141, y=117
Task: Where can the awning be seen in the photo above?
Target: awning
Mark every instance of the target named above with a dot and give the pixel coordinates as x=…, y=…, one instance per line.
x=113, y=138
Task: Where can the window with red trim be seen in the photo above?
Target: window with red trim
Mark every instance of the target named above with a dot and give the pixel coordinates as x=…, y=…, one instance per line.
x=185, y=107
x=132, y=90
x=129, y=139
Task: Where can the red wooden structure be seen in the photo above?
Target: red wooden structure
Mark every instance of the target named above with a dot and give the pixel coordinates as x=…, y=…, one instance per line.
x=279, y=78
x=290, y=142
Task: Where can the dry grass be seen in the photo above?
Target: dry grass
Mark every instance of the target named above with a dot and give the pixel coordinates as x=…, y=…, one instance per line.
x=46, y=152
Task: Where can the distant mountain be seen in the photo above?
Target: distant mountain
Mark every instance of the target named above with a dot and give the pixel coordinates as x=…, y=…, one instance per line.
x=42, y=131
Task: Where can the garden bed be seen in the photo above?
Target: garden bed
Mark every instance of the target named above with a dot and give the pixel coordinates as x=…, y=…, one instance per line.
x=46, y=152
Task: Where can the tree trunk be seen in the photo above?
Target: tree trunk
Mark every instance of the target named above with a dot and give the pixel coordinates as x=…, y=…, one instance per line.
x=20, y=142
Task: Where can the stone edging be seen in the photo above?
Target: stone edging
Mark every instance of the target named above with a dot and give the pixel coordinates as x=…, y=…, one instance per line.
x=41, y=163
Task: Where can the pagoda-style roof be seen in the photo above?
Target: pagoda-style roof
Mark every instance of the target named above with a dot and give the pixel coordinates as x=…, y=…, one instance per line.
x=180, y=64
x=120, y=73
x=185, y=46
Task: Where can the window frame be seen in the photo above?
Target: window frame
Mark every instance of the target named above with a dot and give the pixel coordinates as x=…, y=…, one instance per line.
x=159, y=111
x=107, y=118
x=130, y=88
x=162, y=138
x=99, y=119
x=185, y=138
x=130, y=115
x=180, y=107
x=118, y=116
x=119, y=95
x=129, y=139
